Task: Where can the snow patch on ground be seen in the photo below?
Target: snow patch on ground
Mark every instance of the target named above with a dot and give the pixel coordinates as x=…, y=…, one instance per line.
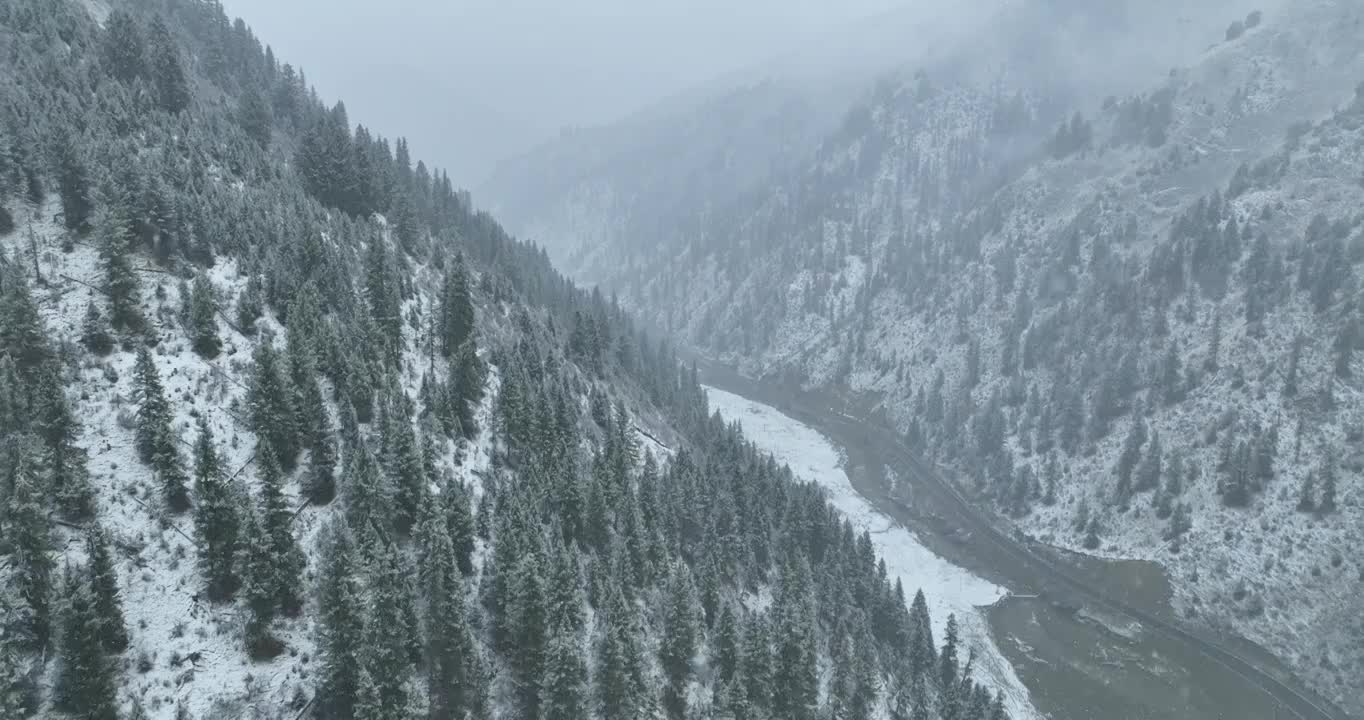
x=948, y=588
x=183, y=648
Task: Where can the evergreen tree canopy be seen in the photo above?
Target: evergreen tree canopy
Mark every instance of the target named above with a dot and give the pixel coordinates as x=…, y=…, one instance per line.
x=86, y=686
x=217, y=518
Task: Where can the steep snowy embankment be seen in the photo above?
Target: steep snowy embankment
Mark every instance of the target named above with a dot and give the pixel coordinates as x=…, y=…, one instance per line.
x=948, y=588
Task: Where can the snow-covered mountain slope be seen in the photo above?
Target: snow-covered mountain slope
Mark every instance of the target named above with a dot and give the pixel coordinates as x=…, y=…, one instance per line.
x=1130, y=321
x=340, y=447
x=186, y=651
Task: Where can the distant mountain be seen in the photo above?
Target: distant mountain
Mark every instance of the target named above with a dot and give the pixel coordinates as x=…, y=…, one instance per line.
x=1123, y=304
x=594, y=189
x=600, y=199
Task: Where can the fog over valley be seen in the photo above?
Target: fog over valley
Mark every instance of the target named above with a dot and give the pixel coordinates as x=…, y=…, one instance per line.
x=472, y=82
x=747, y=360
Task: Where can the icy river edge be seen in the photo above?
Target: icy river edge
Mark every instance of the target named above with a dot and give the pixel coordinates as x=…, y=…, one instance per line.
x=948, y=588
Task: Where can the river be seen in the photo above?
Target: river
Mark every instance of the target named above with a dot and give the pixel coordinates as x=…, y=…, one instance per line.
x=1053, y=653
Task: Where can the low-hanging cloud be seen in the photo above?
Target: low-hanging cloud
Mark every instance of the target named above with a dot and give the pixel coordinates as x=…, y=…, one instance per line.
x=470, y=82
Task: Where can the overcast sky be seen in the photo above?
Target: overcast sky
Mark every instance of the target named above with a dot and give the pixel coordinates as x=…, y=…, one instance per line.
x=471, y=82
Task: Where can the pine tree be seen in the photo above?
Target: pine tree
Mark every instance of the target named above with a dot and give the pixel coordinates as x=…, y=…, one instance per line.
x=15, y=687
x=86, y=685
x=405, y=469
x=1290, y=383
x=1265, y=454
x=681, y=627
x=385, y=305
x=203, y=319
x=865, y=680
x=311, y=415
x=121, y=281
x=11, y=175
x=483, y=515
x=250, y=305
x=572, y=501
x=1091, y=541
x=457, y=309
x=919, y=706
x=1180, y=523
x=153, y=411
x=757, y=663
x=1127, y=460
x=369, y=703
x=597, y=524
x=950, y=702
x=725, y=651
x=73, y=185
x=922, y=651
x=529, y=629
x=1327, y=503
x=564, y=693
x=1344, y=348
x=68, y=477
x=1307, y=497
x=1172, y=376
x=1212, y=361
x=997, y=708
x=285, y=558
x=272, y=413
x=95, y=331
x=841, y=683
x=402, y=215
x=621, y=686
x=217, y=521
x=466, y=386
x=256, y=567
x=68, y=474
x=27, y=531
x=731, y=700
x=795, y=682
x=113, y=635
x=307, y=336
x=321, y=480
x=368, y=496
x=123, y=51
x=22, y=334
x=565, y=605
x=460, y=524
x=389, y=634
x=947, y=661
x=478, y=676
x=255, y=117
x=446, y=632
x=170, y=470
x=341, y=614
x=167, y=70
x=1149, y=470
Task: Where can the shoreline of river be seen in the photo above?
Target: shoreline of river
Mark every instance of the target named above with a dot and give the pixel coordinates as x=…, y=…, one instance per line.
x=1073, y=665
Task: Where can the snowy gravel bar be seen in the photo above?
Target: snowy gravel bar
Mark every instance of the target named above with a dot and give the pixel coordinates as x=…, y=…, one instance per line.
x=948, y=588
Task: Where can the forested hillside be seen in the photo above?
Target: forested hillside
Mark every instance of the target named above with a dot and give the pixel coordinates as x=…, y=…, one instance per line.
x=1131, y=323
x=289, y=429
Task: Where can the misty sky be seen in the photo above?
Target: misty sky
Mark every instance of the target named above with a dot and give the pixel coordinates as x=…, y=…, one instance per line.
x=471, y=82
